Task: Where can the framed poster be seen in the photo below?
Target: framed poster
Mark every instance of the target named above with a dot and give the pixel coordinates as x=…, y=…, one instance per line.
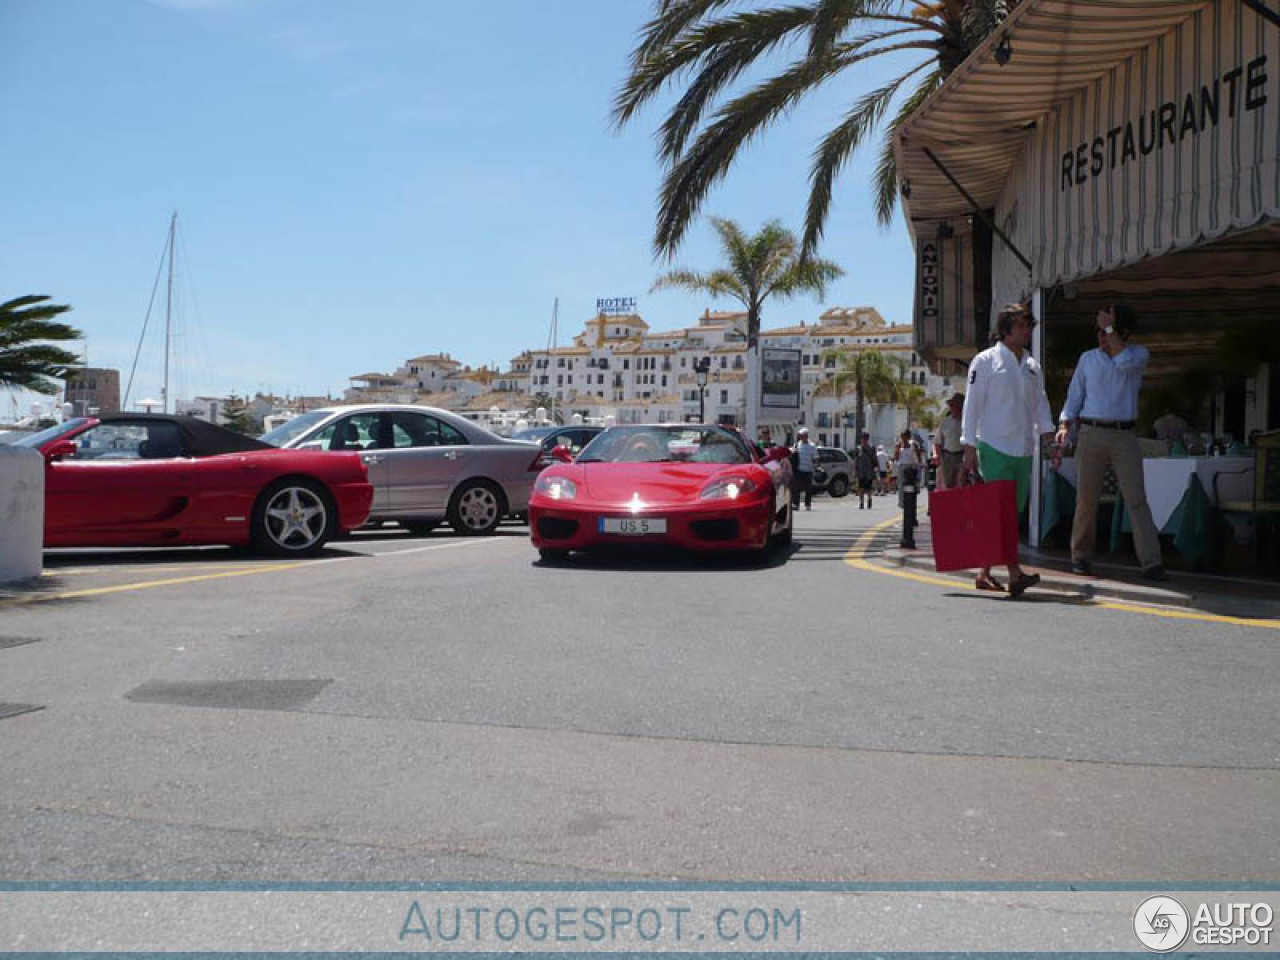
x=780, y=382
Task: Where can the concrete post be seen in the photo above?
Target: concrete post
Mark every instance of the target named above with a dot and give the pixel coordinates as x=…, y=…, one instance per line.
x=21, y=513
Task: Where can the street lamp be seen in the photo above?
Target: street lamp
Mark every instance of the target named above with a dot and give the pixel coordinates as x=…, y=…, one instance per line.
x=700, y=368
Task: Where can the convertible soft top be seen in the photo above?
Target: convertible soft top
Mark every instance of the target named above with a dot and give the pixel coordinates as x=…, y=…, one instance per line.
x=199, y=437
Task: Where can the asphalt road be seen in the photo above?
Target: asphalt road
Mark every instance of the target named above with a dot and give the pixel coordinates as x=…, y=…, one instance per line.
x=445, y=708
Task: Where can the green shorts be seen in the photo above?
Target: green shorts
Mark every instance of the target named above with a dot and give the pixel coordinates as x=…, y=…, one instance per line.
x=994, y=465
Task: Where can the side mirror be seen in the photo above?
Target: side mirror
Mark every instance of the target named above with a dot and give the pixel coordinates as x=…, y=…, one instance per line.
x=63, y=448
x=562, y=453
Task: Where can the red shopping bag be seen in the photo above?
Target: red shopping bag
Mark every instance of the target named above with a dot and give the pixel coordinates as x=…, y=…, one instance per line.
x=975, y=526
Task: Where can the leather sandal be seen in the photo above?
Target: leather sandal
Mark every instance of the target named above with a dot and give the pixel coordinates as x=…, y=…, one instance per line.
x=1018, y=587
x=988, y=583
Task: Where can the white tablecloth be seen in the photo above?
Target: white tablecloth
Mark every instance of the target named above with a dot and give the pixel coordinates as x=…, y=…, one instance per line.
x=1167, y=478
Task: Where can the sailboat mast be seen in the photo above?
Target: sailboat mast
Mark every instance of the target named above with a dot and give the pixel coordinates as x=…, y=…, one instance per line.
x=168, y=313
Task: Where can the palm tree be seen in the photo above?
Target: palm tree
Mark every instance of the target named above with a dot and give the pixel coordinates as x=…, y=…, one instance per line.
x=877, y=378
x=712, y=46
x=27, y=333
x=758, y=267
x=915, y=399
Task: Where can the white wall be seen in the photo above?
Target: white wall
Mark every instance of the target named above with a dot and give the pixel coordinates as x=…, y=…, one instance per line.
x=21, y=513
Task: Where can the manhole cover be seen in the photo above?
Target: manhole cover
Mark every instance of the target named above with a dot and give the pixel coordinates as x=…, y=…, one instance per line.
x=14, y=709
x=16, y=641
x=232, y=694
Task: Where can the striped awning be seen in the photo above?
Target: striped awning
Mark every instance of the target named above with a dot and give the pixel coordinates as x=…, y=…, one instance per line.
x=978, y=121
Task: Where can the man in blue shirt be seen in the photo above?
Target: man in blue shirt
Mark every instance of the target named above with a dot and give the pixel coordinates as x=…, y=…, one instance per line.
x=1103, y=401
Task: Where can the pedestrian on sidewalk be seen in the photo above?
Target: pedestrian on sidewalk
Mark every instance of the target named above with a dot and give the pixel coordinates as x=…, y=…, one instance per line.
x=804, y=459
x=1004, y=415
x=951, y=450
x=865, y=467
x=1103, y=401
x=882, y=476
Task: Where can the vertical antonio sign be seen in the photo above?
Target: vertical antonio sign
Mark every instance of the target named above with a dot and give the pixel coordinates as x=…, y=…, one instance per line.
x=928, y=294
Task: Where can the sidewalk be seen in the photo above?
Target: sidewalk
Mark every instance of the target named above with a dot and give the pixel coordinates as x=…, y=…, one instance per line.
x=1206, y=593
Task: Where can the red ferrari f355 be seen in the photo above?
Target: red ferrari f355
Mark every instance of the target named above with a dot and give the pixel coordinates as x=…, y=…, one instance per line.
x=132, y=480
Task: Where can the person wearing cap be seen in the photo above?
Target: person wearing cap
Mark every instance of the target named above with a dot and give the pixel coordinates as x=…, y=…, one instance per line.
x=1103, y=401
x=951, y=450
x=1004, y=415
x=803, y=459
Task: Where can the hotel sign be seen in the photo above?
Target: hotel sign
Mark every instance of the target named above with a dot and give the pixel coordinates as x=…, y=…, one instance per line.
x=616, y=305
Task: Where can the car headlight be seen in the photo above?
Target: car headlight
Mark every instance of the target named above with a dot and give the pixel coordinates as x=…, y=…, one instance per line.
x=557, y=488
x=727, y=488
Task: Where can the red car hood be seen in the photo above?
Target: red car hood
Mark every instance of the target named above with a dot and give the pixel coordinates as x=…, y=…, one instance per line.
x=654, y=482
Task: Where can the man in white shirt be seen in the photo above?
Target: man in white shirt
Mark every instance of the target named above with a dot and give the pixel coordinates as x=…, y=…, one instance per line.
x=804, y=459
x=1005, y=413
x=1103, y=400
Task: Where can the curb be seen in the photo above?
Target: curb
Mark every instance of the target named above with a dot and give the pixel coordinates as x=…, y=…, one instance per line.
x=1070, y=585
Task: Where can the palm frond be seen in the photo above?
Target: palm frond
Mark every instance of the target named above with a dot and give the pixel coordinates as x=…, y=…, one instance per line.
x=672, y=19
x=836, y=148
x=725, y=48
x=688, y=182
x=886, y=172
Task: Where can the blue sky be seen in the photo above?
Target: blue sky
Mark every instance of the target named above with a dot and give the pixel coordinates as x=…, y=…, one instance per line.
x=361, y=183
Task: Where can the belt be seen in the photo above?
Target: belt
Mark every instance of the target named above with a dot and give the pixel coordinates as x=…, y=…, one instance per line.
x=953, y=453
x=1108, y=424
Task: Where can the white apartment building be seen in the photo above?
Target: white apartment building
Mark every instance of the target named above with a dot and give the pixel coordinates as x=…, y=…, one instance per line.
x=618, y=368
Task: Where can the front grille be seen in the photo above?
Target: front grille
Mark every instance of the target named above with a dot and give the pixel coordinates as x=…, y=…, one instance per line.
x=715, y=529
x=554, y=528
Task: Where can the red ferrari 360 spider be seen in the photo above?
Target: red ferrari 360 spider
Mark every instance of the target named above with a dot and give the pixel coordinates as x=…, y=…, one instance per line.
x=694, y=486
x=129, y=480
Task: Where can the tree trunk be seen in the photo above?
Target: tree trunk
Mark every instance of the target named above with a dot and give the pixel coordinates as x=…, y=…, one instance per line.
x=752, y=426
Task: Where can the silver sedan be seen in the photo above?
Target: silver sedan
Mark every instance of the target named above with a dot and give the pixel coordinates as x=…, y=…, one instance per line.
x=426, y=465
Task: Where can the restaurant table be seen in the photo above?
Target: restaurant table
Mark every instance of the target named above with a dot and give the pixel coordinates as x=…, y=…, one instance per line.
x=1179, y=493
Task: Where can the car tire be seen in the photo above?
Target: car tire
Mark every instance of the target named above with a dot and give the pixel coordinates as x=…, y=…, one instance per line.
x=839, y=486
x=477, y=508
x=553, y=557
x=280, y=509
x=420, y=528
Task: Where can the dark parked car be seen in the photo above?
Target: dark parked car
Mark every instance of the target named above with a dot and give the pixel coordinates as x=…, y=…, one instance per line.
x=574, y=436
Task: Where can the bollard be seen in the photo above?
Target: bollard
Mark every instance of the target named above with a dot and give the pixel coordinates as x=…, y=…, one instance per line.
x=908, y=485
x=21, y=513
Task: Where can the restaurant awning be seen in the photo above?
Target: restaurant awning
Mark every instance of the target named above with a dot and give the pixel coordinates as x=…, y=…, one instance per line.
x=978, y=121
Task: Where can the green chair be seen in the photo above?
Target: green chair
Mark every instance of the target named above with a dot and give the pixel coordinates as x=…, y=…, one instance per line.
x=1262, y=510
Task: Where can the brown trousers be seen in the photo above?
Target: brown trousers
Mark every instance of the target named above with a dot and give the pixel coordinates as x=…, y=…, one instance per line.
x=1096, y=448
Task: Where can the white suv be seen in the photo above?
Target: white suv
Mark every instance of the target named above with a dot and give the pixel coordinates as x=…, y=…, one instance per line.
x=834, y=473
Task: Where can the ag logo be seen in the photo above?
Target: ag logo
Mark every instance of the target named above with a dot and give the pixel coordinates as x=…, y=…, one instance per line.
x=1161, y=924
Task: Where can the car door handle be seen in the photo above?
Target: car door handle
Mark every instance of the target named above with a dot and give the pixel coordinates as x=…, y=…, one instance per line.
x=451, y=454
x=372, y=458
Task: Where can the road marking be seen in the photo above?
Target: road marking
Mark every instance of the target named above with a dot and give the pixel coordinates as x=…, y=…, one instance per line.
x=857, y=558
x=24, y=599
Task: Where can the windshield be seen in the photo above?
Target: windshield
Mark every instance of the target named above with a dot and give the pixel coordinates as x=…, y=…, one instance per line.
x=656, y=444
x=51, y=433
x=533, y=433
x=281, y=435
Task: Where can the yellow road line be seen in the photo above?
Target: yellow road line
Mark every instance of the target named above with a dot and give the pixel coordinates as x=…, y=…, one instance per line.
x=856, y=558
x=124, y=587
x=264, y=567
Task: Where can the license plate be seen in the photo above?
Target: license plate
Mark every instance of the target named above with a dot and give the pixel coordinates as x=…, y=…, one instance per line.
x=633, y=526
